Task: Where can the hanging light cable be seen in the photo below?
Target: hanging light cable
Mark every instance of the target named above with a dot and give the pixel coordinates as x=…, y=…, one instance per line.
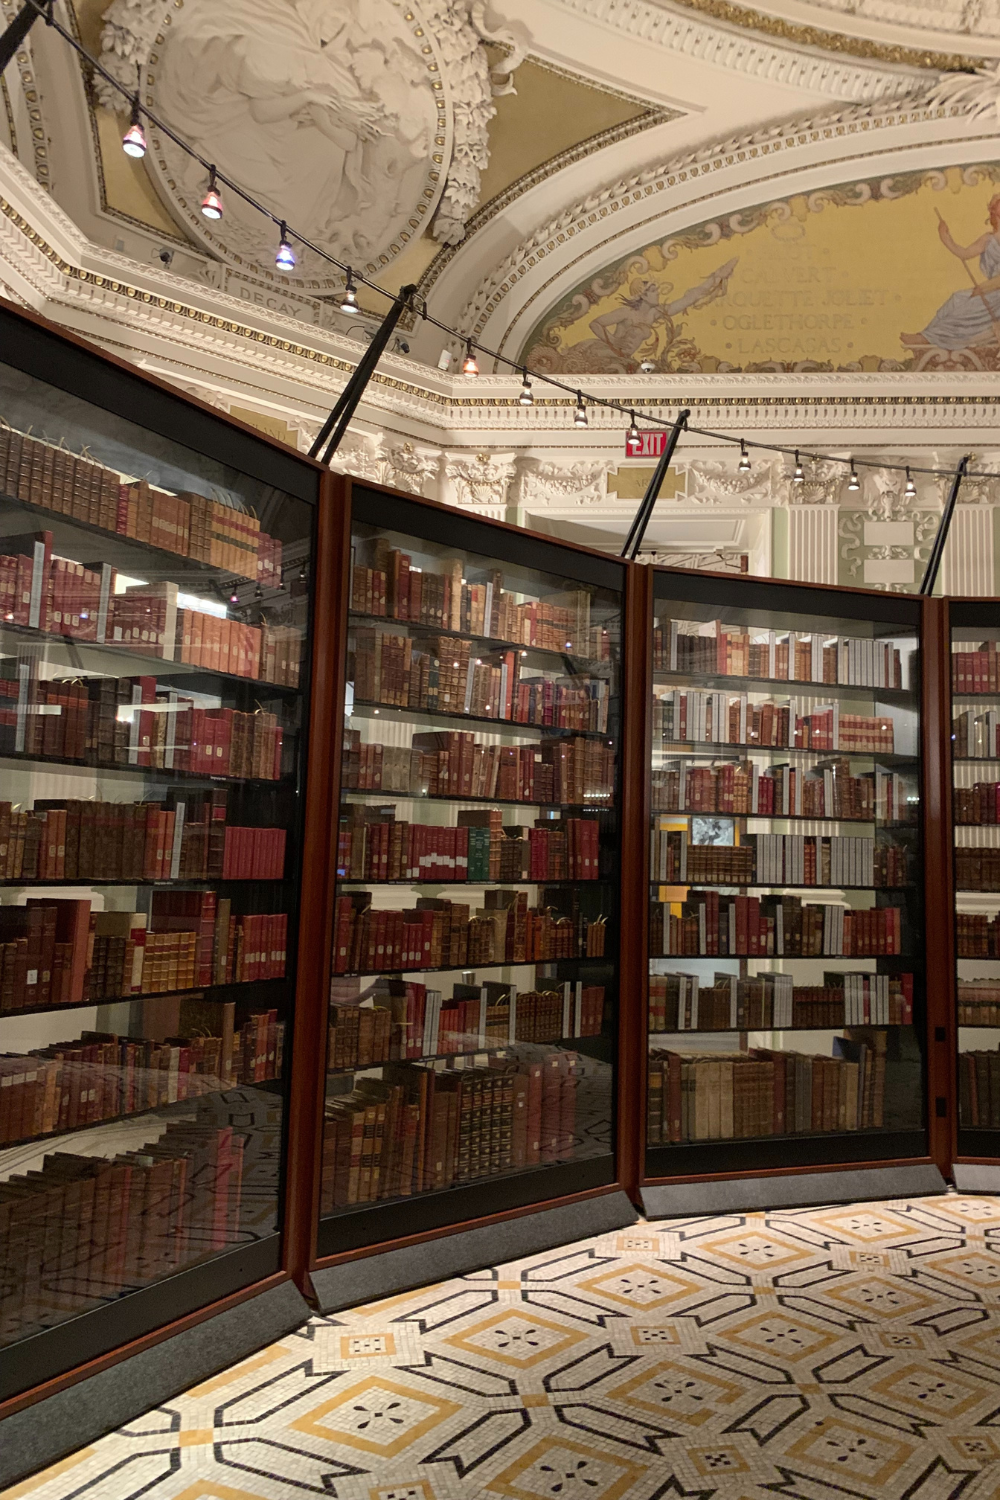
x=525, y=398
x=798, y=477
x=744, y=463
x=211, y=204
x=285, y=256
x=580, y=415
x=134, y=139
x=469, y=366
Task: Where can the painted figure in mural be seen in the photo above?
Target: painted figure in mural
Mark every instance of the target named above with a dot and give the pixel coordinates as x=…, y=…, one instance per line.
x=642, y=327
x=968, y=317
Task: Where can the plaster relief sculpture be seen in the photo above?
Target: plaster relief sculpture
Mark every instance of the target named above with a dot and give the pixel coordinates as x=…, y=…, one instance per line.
x=354, y=120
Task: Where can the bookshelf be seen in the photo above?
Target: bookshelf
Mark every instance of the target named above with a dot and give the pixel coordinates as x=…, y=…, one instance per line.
x=155, y=599
x=786, y=994
x=472, y=1040
x=975, y=804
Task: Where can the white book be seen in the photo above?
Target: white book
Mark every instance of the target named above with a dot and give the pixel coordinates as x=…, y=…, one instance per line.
x=481, y=1029
x=567, y=1013
x=180, y=809
x=512, y=1015
x=578, y=1008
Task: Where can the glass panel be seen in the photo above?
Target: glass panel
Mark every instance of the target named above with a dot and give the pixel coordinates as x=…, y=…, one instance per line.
x=976, y=813
x=785, y=969
x=472, y=1014
x=153, y=615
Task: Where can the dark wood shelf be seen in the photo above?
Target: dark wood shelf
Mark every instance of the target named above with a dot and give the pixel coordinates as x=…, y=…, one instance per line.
x=721, y=681
x=779, y=817
x=156, y=773
x=709, y=749
x=600, y=1047
x=136, y=663
x=488, y=643
x=175, y=1107
x=214, y=992
x=365, y=794
x=775, y=885
x=829, y=1026
x=466, y=968
x=767, y=1153
x=478, y=885
x=183, y=882
x=361, y=708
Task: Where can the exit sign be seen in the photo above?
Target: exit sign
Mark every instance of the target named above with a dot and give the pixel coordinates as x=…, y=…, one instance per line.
x=650, y=445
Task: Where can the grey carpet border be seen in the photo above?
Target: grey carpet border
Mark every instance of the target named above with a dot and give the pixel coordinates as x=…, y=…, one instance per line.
x=42, y=1434
x=977, y=1177
x=376, y=1276
x=794, y=1190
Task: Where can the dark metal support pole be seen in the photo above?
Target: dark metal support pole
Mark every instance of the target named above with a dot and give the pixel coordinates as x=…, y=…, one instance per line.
x=638, y=530
x=937, y=551
x=16, y=32
x=350, y=396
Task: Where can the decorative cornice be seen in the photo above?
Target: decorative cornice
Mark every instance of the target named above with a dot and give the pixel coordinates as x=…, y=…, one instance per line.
x=797, y=34
x=732, y=48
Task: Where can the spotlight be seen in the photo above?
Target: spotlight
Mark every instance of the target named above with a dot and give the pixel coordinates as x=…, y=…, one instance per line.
x=285, y=257
x=633, y=442
x=911, y=488
x=211, y=204
x=469, y=367
x=580, y=415
x=134, y=139
x=798, y=477
x=853, y=483
x=525, y=398
x=349, y=301
x=744, y=463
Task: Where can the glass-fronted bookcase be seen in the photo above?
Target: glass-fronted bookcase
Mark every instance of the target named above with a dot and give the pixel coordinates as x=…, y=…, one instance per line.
x=975, y=797
x=155, y=587
x=786, y=995
x=472, y=1039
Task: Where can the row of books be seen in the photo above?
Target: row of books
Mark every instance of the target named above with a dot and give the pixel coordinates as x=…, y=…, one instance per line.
x=977, y=935
x=82, y=1230
x=763, y=1092
x=979, y=1090
x=713, y=925
x=56, y=951
x=975, y=736
x=452, y=763
x=441, y=934
x=407, y=1020
x=977, y=869
x=679, y=1002
x=690, y=716
x=372, y=845
x=826, y=791
x=130, y=721
x=977, y=804
x=978, y=1002
x=62, y=597
x=777, y=859
x=471, y=601
x=100, y=1076
x=185, y=837
x=976, y=671
x=711, y=648
x=190, y=525
x=446, y=678
x=423, y=1128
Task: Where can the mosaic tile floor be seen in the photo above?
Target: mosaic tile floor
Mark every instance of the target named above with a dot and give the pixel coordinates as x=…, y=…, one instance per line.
x=817, y=1354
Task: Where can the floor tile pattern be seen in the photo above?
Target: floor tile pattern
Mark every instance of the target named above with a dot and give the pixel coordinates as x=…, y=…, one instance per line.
x=838, y=1353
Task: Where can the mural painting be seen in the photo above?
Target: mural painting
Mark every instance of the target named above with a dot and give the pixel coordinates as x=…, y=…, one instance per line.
x=892, y=273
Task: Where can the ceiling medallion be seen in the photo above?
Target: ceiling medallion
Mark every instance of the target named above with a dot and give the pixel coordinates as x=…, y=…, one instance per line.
x=358, y=124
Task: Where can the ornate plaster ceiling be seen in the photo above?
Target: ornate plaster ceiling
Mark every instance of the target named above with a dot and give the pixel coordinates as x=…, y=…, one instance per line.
x=944, y=32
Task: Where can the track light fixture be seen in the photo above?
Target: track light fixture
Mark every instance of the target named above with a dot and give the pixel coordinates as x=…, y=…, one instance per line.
x=580, y=415
x=854, y=483
x=744, y=463
x=911, y=489
x=134, y=139
x=349, y=301
x=798, y=477
x=285, y=257
x=633, y=441
x=211, y=204
x=469, y=366
x=525, y=398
